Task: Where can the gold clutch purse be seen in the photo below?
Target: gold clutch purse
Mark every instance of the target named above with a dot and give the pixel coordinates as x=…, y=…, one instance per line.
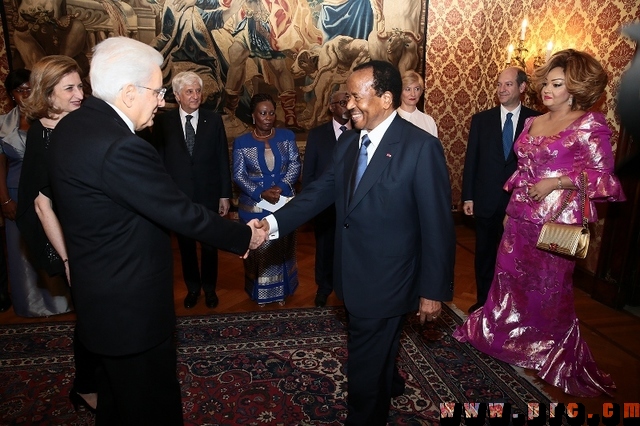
x=568, y=240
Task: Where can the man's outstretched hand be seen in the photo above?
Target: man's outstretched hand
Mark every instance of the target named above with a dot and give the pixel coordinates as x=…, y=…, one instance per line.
x=258, y=236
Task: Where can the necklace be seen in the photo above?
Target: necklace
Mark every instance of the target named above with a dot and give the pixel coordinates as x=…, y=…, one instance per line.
x=265, y=136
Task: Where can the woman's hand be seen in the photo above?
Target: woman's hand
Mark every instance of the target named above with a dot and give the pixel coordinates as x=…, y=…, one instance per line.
x=540, y=190
x=9, y=210
x=272, y=194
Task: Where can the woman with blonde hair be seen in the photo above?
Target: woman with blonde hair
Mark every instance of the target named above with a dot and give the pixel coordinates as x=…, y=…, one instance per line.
x=529, y=318
x=412, y=90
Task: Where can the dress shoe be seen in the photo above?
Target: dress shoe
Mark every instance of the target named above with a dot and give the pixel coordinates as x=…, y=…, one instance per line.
x=5, y=302
x=191, y=299
x=78, y=400
x=475, y=307
x=321, y=300
x=211, y=299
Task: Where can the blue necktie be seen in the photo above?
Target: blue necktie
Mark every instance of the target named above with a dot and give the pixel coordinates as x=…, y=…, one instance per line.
x=343, y=129
x=190, y=134
x=507, y=135
x=362, y=161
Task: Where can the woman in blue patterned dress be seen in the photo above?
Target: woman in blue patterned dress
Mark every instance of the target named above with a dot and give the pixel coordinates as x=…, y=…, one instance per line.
x=266, y=166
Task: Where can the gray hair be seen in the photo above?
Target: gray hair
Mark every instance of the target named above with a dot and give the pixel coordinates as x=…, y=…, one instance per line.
x=119, y=61
x=183, y=78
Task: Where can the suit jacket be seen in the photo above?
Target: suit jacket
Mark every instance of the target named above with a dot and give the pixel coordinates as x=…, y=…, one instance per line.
x=318, y=152
x=317, y=156
x=204, y=176
x=485, y=169
x=115, y=201
x=395, y=237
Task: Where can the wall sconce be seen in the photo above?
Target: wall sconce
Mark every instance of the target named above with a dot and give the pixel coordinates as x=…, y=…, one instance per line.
x=519, y=53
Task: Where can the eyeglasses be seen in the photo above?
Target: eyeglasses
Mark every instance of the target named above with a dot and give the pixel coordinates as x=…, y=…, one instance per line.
x=159, y=92
x=23, y=90
x=343, y=103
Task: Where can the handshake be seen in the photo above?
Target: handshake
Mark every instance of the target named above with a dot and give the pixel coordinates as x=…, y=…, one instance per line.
x=259, y=234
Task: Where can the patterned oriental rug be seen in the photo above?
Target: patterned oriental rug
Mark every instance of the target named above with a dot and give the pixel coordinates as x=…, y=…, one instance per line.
x=283, y=367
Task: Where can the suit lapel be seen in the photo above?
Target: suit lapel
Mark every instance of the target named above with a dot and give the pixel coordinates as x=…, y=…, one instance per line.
x=381, y=158
x=200, y=131
x=178, y=130
x=520, y=125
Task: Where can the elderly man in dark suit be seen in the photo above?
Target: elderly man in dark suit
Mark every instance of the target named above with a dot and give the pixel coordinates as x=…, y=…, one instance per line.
x=395, y=240
x=489, y=162
x=116, y=204
x=317, y=156
x=193, y=145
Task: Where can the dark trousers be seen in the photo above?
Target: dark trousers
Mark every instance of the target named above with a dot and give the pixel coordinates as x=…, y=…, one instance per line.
x=140, y=389
x=87, y=364
x=194, y=277
x=371, y=367
x=488, y=235
x=325, y=231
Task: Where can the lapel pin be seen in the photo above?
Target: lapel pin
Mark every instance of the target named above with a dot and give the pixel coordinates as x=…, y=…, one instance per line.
x=388, y=155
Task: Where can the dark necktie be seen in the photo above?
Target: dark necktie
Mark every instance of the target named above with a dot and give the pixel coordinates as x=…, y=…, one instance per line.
x=507, y=135
x=343, y=129
x=190, y=134
x=362, y=161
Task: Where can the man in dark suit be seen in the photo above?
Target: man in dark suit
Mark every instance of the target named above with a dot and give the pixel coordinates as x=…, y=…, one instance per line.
x=193, y=146
x=395, y=240
x=317, y=156
x=116, y=203
x=488, y=164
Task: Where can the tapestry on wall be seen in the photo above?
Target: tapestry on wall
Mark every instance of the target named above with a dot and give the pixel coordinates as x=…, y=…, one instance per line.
x=300, y=51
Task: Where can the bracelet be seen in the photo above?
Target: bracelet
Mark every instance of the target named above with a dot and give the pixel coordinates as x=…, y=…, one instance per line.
x=6, y=202
x=65, y=260
x=559, y=183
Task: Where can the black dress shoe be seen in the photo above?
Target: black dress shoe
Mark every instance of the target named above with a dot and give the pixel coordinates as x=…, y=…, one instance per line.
x=211, y=299
x=5, y=302
x=475, y=307
x=321, y=300
x=191, y=299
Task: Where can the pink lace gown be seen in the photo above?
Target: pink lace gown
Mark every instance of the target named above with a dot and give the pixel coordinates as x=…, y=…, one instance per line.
x=529, y=318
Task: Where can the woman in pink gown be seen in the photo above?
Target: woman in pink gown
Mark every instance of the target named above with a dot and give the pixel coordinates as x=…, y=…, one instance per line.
x=529, y=318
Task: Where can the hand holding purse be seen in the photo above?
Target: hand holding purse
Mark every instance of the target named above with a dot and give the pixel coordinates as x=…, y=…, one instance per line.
x=569, y=240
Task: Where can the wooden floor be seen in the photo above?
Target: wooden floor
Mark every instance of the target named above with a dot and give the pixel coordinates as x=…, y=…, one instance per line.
x=613, y=336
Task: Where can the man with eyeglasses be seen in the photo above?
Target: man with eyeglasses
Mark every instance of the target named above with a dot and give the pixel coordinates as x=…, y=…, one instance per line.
x=317, y=156
x=116, y=203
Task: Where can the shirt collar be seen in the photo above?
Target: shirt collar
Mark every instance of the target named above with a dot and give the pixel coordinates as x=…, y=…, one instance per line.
x=122, y=115
x=515, y=111
x=195, y=114
x=336, y=125
x=376, y=134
